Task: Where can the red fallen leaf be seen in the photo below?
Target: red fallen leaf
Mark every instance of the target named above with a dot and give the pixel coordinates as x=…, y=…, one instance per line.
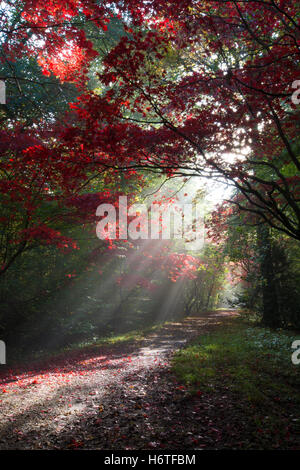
x=76, y=444
x=4, y=391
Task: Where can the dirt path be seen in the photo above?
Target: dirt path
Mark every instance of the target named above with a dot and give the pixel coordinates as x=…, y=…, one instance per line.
x=117, y=397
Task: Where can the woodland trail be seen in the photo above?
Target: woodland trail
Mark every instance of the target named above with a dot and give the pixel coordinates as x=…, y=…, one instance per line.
x=121, y=396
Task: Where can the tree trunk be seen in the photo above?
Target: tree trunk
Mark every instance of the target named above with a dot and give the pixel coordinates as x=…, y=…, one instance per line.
x=271, y=315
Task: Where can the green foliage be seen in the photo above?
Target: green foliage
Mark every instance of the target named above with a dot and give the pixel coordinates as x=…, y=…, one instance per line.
x=203, y=292
x=268, y=261
x=253, y=362
x=31, y=96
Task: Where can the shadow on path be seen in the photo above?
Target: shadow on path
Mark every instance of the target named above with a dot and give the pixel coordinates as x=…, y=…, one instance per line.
x=120, y=396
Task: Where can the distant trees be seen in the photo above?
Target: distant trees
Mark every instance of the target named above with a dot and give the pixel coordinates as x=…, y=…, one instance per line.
x=267, y=268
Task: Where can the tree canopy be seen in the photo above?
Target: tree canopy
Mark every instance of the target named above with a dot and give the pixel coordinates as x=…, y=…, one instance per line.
x=111, y=98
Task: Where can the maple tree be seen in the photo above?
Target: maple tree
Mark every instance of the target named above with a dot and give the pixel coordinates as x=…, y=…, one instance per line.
x=177, y=95
x=197, y=81
x=104, y=94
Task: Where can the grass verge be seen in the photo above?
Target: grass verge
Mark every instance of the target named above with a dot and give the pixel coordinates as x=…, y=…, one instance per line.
x=253, y=361
x=252, y=367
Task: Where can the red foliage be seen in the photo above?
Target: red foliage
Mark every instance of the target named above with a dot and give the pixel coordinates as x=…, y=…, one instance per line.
x=148, y=118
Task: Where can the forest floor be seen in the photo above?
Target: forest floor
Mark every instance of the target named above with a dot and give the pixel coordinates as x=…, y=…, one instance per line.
x=127, y=396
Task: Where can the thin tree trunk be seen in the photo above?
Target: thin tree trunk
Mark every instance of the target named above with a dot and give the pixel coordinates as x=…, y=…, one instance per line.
x=271, y=314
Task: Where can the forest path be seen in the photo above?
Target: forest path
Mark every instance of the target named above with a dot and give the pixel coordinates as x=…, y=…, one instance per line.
x=121, y=396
